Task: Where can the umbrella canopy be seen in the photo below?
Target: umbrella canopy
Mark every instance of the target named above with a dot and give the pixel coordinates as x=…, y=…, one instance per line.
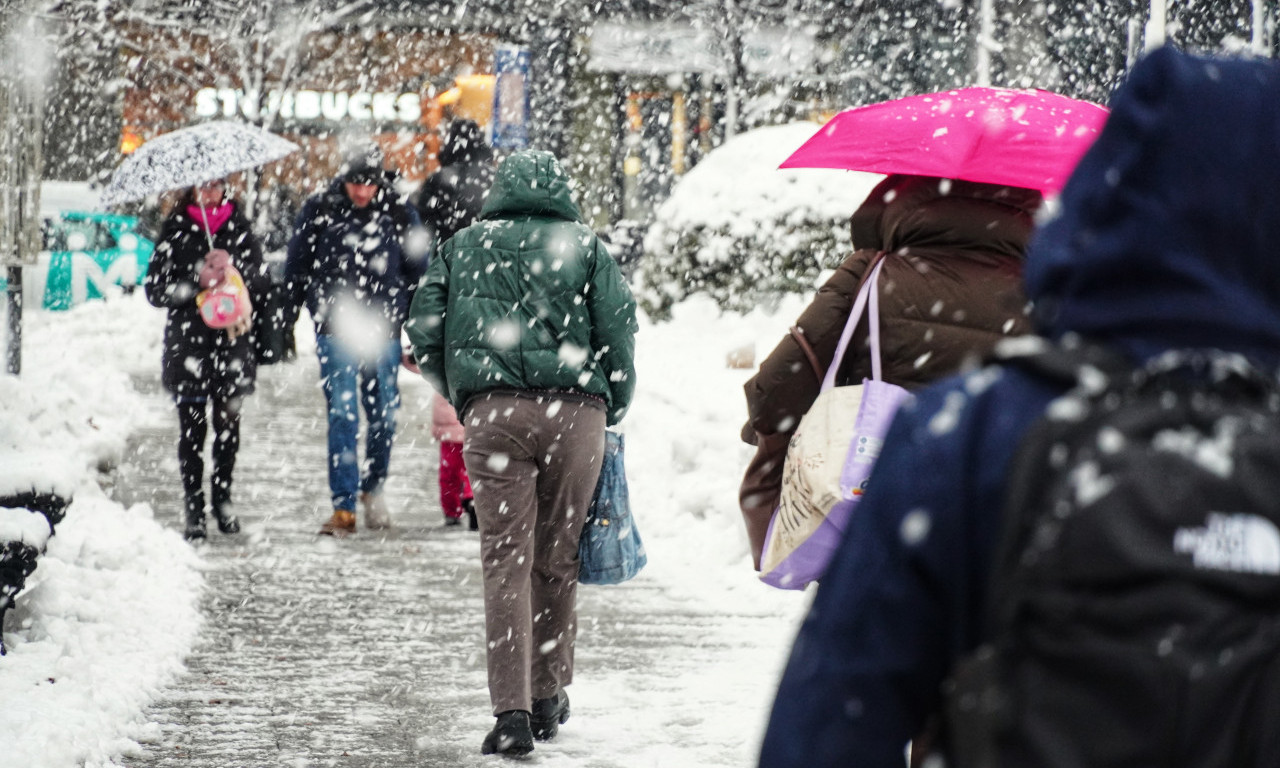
x=190, y=156
x=1021, y=138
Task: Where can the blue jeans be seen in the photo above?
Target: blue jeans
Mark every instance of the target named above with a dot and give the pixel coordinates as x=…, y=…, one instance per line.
x=342, y=371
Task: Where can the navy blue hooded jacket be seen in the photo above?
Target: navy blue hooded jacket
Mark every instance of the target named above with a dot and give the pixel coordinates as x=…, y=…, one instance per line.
x=1166, y=237
x=354, y=264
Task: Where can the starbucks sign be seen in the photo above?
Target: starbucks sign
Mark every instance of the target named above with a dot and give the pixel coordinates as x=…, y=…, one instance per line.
x=331, y=106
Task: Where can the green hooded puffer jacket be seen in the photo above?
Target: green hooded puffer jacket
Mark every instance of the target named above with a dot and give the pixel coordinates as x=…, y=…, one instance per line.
x=527, y=298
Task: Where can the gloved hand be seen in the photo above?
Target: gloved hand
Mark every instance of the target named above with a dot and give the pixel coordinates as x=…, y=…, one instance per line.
x=214, y=270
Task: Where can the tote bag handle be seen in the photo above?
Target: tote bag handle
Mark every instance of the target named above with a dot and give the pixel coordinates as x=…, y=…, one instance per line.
x=866, y=294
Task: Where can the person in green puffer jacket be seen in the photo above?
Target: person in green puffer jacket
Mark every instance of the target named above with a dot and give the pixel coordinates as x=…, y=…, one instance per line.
x=526, y=325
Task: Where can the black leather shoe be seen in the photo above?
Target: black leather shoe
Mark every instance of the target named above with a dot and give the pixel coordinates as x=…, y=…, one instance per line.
x=510, y=736
x=548, y=715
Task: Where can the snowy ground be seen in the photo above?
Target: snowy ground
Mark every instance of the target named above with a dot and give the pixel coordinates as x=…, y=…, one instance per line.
x=82, y=668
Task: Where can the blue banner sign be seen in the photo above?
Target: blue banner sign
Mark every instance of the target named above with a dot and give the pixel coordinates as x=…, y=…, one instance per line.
x=511, y=98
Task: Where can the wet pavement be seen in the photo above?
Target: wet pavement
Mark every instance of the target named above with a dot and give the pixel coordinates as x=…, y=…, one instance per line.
x=368, y=651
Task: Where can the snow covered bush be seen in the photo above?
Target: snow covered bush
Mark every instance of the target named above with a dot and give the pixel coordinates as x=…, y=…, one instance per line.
x=746, y=233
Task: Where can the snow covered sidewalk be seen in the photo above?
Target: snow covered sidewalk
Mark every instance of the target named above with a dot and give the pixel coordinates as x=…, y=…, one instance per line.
x=368, y=651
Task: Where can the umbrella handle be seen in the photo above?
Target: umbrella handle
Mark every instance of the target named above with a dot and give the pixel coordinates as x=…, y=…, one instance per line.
x=207, y=234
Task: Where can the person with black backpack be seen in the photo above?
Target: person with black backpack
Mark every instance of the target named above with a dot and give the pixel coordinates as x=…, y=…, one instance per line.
x=355, y=259
x=1074, y=551
x=451, y=198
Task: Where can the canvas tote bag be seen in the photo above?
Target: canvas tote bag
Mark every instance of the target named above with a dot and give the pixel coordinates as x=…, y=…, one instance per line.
x=829, y=459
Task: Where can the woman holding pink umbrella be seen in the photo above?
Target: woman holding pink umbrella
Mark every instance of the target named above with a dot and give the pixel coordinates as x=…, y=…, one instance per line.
x=208, y=272
x=949, y=288
x=948, y=226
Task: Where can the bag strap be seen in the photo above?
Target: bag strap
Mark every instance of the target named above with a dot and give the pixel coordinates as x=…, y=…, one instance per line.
x=867, y=291
x=873, y=311
x=797, y=333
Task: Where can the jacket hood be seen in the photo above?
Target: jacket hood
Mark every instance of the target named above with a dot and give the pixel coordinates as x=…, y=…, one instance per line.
x=1167, y=232
x=531, y=183
x=905, y=210
x=464, y=143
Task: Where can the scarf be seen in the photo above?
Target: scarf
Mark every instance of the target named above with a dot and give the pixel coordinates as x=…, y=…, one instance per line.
x=213, y=218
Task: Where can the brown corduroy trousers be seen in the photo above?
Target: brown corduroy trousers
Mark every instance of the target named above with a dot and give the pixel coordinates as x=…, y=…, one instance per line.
x=533, y=463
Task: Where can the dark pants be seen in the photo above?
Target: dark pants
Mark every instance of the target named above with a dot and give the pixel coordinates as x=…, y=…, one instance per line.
x=533, y=466
x=192, y=428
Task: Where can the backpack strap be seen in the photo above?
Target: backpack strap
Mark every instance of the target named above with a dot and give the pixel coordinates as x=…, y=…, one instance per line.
x=1075, y=365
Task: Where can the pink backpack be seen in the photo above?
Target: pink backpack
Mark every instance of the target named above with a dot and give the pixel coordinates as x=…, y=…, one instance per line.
x=225, y=303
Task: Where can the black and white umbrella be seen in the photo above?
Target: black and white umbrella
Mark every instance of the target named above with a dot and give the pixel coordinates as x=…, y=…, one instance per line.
x=191, y=156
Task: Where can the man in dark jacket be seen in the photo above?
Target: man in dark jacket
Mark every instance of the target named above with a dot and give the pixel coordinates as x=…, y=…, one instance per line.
x=451, y=198
x=355, y=258
x=950, y=288
x=1165, y=240
x=525, y=324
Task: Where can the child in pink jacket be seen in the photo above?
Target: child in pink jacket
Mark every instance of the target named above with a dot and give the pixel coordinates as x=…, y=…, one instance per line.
x=455, y=486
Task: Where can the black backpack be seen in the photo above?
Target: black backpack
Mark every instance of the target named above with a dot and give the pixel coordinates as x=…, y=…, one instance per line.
x=1134, y=610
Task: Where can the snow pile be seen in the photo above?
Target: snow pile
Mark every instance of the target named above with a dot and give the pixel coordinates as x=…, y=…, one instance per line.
x=104, y=624
x=739, y=186
x=69, y=412
x=685, y=458
x=111, y=609
x=740, y=230
x=24, y=526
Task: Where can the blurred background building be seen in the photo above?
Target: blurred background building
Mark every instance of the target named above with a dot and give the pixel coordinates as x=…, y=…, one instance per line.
x=631, y=93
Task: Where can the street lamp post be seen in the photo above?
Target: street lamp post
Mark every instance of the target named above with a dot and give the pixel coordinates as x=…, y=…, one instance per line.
x=21, y=161
x=986, y=40
x=1155, y=34
x=1260, y=43
x=737, y=70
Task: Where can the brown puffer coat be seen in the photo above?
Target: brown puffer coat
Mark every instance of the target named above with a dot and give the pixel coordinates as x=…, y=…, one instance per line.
x=950, y=288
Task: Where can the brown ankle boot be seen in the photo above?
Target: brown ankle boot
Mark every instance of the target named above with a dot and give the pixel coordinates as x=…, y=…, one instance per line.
x=343, y=523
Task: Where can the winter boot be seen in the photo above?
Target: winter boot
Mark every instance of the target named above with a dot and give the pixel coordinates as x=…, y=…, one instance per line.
x=548, y=715
x=195, y=530
x=227, y=520
x=376, y=516
x=452, y=522
x=343, y=523
x=469, y=506
x=510, y=736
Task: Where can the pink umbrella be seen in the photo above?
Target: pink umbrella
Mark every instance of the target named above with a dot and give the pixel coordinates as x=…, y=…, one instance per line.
x=1022, y=138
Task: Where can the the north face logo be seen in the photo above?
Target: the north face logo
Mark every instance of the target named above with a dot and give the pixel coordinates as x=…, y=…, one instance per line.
x=1242, y=543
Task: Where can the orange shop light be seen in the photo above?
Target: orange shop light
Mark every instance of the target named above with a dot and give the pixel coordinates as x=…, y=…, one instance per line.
x=129, y=142
x=471, y=98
